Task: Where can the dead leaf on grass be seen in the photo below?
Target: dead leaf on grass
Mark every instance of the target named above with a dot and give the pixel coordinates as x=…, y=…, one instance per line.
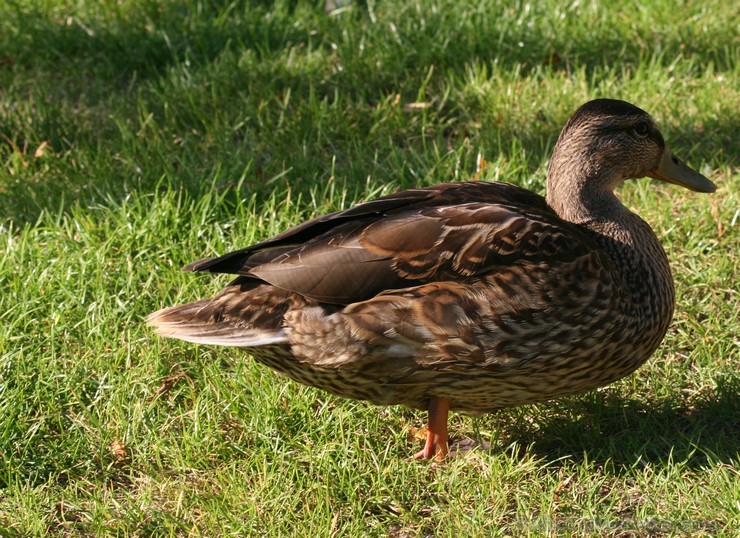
x=167, y=385
x=42, y=150
x=118, y=450
x=417, y=106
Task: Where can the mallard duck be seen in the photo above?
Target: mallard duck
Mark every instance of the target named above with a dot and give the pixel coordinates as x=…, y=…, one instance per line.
x=462, y=296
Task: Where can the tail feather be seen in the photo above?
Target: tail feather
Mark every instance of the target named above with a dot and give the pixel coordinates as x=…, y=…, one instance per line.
x=197, y=322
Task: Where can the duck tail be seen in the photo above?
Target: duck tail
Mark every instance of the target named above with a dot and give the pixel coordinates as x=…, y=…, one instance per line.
x=202, y=322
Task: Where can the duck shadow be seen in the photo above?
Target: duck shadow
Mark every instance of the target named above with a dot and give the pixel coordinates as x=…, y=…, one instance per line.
x=606, y=429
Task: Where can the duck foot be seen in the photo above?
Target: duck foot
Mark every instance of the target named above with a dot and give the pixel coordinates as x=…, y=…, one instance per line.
x=436, y=446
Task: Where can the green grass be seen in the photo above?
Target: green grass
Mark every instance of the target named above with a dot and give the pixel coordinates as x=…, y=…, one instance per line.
x=138, y=136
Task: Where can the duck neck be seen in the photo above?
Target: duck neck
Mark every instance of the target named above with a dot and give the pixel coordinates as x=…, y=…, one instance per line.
x=589, y=202
x=580, y=189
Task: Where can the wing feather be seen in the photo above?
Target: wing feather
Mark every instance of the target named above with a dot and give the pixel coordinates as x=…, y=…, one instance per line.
x=414, y=237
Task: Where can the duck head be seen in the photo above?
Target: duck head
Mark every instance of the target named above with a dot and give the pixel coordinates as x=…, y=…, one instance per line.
x=605, y=142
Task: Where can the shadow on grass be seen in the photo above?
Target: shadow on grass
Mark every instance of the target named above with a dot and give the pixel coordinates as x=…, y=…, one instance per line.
x=605, y=429
x=140, y=42
x=119, y=54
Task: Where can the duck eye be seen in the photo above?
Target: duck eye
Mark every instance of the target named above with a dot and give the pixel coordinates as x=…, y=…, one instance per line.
x=641, y=129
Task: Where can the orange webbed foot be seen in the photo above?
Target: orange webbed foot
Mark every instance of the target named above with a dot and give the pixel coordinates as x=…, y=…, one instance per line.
x=437, y=439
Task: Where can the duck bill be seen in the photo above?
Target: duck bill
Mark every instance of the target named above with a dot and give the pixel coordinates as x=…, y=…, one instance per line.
x=672, y=170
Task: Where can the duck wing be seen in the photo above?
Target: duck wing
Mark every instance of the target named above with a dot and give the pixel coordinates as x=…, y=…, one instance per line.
x=444, y=232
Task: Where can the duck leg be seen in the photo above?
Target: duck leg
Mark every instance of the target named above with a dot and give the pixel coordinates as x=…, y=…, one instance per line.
x=436, y=445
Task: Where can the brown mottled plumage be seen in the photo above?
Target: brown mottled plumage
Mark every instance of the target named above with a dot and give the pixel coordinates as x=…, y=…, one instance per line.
x=468, y=296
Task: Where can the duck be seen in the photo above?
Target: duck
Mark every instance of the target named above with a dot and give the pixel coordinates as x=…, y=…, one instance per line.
x=470, y=296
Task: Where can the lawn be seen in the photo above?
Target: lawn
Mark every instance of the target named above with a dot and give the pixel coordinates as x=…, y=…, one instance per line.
x=138, y=136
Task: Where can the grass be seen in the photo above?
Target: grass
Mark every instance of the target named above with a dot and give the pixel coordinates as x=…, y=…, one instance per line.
x=138, y=136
